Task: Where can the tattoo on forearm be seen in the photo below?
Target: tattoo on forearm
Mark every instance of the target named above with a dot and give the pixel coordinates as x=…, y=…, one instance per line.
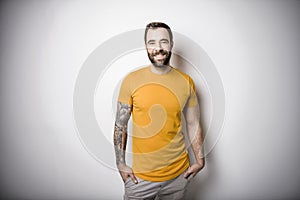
x=120, y=131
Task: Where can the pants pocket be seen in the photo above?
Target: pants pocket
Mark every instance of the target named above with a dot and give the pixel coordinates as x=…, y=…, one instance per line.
x=127, y=180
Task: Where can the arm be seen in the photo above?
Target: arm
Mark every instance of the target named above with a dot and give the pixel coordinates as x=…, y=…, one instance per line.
x=120, y=140
x=192, y=116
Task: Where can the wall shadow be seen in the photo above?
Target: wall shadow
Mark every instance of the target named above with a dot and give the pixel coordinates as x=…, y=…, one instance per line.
x=200, y=185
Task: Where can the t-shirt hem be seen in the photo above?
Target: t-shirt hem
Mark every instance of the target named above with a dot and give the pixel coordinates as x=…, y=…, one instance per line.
x=165, y=178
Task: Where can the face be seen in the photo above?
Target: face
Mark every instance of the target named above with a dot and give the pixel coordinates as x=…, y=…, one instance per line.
x=159, y=46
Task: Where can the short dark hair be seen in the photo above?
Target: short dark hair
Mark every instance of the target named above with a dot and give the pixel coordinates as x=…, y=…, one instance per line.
x=154, y=25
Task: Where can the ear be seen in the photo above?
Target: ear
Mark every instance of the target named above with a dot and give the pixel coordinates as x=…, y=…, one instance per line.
x=171, y=46
x=145, y=45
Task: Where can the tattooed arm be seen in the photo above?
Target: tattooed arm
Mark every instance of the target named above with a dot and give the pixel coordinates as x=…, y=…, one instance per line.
x=192, y=116
x=120, y=140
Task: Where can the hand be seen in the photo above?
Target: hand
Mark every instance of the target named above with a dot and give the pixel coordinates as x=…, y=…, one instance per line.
x=194, y=169
x=125, y=172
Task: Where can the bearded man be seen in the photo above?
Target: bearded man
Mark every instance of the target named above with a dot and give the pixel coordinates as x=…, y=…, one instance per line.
x=156, y=96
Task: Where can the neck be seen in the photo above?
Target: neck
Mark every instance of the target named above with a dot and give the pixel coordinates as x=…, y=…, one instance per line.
x=160, y=70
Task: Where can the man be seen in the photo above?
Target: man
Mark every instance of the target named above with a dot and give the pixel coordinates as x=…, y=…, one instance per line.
x=157, y=96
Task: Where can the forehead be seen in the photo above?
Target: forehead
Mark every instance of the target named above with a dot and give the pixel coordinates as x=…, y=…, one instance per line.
x=158, y=34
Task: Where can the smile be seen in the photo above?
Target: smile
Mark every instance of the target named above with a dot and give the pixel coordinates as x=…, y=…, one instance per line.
x=159, y=56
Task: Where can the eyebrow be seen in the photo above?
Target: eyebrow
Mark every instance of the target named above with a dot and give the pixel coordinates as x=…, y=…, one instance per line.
x=164, y=39
x=150, y=41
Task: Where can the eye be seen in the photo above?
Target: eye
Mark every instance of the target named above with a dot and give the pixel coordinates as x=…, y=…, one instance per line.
x=151, y=42
x=165, y=42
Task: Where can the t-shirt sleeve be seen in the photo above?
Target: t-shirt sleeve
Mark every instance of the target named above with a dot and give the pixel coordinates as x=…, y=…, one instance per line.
x=125, y=91
x=192, y=101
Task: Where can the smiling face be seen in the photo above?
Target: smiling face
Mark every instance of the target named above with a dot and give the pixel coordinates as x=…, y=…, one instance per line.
x=159, y=46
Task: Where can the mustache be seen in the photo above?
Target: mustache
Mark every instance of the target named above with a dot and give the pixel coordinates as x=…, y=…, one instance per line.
x=161, y=51
x=166, y=60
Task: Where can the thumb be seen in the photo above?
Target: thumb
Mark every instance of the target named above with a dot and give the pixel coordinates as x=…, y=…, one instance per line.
x=187, y=173
x=133, y=178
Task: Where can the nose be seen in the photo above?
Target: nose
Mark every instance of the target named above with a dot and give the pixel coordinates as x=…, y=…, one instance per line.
x=158, y=46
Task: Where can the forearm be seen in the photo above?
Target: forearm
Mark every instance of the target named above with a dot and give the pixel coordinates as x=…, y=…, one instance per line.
x=120, y=132
x=120, y=140
x=196, y=140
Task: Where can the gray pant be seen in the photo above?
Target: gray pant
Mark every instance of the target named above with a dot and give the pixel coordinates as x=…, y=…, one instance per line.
x=146, y=190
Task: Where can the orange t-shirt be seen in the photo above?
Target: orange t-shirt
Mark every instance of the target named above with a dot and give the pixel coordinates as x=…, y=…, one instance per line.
x=158, y=145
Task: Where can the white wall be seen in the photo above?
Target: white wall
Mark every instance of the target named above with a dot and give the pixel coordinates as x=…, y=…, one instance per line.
x=254, y=45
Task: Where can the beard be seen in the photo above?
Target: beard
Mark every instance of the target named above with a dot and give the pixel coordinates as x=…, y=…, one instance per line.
x=163, y=62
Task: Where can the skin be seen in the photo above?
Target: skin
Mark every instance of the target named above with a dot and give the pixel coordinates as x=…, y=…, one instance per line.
x=158, y=47
x=120, y=140
x=194, y=130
